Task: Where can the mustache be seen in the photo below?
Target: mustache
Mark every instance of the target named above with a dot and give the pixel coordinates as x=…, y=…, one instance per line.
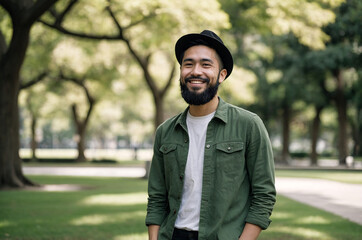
x=188, y=79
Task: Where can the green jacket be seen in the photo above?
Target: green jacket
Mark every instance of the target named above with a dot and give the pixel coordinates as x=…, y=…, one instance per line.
x=238, y=178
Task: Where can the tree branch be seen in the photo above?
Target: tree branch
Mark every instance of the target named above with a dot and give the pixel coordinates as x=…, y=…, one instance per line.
x=59, y=19
x=118, y=25
x=80, y=82
x=151, y=15
x=37, y=9
x=170, y=78
x=79, y=34
x=9, y=6
x=39, y=78
x=3, y=45
x=143, y=62
x=75, y=116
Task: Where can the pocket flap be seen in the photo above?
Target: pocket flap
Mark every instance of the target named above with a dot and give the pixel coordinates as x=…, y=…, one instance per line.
x=230, y=147
x=166, y=148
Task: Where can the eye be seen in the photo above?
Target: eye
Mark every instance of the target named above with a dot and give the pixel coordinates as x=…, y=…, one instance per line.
x=187, y=64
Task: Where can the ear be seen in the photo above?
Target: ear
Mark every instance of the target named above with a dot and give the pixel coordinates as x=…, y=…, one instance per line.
x=222, y=75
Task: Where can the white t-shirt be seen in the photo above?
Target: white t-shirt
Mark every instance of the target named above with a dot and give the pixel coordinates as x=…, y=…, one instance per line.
x=189, y=214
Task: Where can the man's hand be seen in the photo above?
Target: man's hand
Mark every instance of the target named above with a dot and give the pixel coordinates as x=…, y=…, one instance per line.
x=153, y=232
x=251, y=232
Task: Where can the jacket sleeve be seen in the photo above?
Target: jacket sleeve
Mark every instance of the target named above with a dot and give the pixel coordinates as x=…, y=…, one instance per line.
x=157, y=207
x=260, y=166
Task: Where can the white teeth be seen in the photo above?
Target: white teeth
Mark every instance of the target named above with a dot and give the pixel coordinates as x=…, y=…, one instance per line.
x=195, y=81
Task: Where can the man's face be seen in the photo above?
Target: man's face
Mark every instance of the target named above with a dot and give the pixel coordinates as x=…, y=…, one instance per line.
x=200, y=75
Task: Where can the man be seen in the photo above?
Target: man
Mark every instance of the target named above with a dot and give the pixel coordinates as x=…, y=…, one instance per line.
x=212, y=173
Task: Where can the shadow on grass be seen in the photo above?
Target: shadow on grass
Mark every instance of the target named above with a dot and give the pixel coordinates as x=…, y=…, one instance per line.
x=115, y=209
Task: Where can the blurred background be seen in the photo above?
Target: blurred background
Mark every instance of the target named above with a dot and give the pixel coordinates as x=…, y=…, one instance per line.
x=84, y=85
x=95, y=78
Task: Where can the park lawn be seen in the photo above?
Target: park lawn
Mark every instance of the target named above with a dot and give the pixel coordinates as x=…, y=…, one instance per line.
x=115, y=208
x=108, y=208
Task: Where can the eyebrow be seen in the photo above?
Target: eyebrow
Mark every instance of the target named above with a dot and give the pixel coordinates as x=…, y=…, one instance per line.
x=202, y=60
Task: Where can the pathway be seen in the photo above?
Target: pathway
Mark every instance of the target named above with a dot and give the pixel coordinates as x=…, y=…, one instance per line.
x=342, y=199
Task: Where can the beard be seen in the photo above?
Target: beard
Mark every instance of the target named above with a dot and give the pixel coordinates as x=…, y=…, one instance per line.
x=193, y=98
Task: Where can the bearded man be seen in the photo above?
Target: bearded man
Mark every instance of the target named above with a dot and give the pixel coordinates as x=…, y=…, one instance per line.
x=212, y=172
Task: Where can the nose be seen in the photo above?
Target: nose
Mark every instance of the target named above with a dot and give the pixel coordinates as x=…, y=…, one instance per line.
x=196, y=70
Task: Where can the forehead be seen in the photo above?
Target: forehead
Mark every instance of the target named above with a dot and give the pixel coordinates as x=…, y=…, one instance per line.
x=199, y=52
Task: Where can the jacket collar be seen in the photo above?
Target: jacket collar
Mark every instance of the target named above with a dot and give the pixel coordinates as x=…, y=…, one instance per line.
x=221, y=113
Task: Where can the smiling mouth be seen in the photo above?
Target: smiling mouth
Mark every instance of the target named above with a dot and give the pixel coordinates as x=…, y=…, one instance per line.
x=196, y=81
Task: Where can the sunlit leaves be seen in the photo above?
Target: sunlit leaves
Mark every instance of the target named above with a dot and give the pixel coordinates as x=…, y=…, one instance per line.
x=91, y=17
x=69, y=54
x=237, y=88
x=303, y=18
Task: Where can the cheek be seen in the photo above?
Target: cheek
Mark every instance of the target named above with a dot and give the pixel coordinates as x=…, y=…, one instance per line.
x=184, y=73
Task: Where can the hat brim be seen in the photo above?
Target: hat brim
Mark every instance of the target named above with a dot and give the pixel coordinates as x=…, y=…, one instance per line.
x=184, y=43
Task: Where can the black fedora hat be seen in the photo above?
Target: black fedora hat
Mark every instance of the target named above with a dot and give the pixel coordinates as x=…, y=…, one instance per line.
x=213, y=41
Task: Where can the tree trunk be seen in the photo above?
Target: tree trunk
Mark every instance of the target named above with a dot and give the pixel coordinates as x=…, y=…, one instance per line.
x=159, y=111
x=357, y=133
x=358, y=148
x=81, y=146
x=11, y=174
x=23, y=15
x=80, y=127
x=286, y=132
x=33, y=143
x=315, y=135
x=341, y=104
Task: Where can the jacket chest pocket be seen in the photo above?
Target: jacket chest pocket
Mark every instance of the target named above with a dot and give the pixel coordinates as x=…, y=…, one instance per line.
x=169, y=152
x=230, y=160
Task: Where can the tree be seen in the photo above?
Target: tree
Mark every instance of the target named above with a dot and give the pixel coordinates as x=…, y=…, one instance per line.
x=32, y=104
x=154, y=22
x=80, y=124
x=254, y=23
x=357, y=122
x=337, y=58
x=23, y=15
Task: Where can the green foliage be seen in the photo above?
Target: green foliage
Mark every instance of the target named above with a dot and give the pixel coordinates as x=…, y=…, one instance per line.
x=277, y=46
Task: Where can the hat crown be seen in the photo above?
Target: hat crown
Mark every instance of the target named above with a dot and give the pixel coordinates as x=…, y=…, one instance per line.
x=211, y=34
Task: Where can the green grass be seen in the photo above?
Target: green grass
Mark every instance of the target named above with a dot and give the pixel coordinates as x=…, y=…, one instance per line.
x=295, y=221
x=115, y=208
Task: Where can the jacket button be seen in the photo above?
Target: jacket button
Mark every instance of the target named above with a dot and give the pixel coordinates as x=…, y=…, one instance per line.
x=208, y=146
x=186, y=140
x=229, y=148
x=174, y=211
x=181, y=177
